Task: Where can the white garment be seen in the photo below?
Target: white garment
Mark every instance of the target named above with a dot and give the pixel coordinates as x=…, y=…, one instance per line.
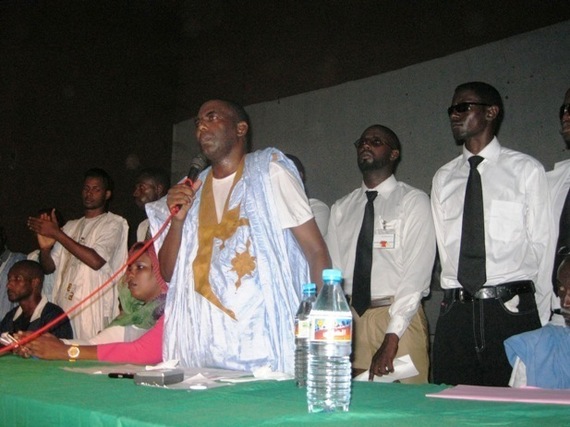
x=559, y=183
x=289, y=196
x=402, y=268
x=264, y=299
x=142, y=229
x=47, y=288
x=37, y=311
x=519, y=228
x=290, y=199
x=322, y=215
x=107, y=235
x=112, y=334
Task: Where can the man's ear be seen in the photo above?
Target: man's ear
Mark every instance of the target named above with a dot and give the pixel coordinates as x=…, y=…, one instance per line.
x=108, y=194
x=394, y=155
x=37, y=284
x=492, y=113
x=242, y=128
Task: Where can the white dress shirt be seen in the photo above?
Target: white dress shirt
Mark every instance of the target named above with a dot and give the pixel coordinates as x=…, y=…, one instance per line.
x=559, y=183
x=519, y=228
x=142, y=230
x=404, y=245
x=322, y=214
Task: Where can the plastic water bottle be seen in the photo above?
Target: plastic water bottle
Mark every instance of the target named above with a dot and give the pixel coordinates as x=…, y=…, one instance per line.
x=329, y=371
x=302, y=328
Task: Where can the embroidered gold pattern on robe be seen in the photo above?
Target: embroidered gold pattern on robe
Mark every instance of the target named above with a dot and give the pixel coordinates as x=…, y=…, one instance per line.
x=243, y=264
x=209, y=230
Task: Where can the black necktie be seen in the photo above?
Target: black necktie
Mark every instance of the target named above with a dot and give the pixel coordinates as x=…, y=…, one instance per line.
x=471, y=271
x=363, y=260
x=563, y=244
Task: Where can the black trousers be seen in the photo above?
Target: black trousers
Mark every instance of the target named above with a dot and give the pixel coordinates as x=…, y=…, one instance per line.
x=468, y=344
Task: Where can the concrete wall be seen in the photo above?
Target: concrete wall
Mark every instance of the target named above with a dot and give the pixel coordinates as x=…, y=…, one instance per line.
x=530, y=71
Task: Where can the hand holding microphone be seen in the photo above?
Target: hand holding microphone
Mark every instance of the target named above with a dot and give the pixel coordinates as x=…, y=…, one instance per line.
x=181, y=196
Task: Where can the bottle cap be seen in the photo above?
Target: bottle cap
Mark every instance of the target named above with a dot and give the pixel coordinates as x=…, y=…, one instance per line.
x=309, y=288
x=332, y=274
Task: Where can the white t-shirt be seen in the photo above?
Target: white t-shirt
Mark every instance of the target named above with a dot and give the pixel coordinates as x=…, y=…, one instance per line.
x=292, y=202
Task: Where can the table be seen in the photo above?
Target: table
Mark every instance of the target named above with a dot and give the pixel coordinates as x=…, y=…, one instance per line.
x=39, y=393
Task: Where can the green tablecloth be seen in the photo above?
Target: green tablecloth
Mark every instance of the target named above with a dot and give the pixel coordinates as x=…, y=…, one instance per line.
x=37, y=393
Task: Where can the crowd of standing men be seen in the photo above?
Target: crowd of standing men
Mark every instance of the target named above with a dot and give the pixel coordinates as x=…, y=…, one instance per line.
x=243, y=239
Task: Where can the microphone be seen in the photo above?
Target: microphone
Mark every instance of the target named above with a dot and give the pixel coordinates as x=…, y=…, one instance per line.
x=197, y=165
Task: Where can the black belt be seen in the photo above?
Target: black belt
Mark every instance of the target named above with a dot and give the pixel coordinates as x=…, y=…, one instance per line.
x=375, y=303
x=504, y=291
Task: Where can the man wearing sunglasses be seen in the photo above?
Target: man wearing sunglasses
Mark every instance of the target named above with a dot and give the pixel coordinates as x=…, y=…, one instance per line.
x=559, y=181
x=386, y=293
x=494, y=229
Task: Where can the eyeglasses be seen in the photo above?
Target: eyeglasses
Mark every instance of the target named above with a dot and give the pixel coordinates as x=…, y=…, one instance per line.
x=210, y=117
x=463, y=107
x=564, y=109
x=374, y=142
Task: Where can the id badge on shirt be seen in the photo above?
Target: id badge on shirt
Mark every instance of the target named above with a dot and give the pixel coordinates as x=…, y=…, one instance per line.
x=385, y=235
x=70, y=291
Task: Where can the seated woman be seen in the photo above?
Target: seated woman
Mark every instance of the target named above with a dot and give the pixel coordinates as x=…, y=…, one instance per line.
x=142, y=293
x=147, y=350
x=145, y=347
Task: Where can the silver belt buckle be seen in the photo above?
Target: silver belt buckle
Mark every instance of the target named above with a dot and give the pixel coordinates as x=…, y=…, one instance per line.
x=486, y=293
x=461, y=295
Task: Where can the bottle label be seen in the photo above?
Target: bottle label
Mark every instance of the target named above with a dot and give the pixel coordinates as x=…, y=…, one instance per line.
x=302, y=328
x=331, y=328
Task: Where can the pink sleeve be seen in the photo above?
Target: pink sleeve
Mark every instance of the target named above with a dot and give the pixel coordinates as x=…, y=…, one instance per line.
x=147, y=350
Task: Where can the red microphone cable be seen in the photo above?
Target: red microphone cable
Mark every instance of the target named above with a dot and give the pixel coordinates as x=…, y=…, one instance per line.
x=130, y=260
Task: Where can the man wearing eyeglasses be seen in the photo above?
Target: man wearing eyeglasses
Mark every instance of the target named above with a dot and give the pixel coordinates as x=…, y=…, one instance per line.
x=494, y=229
x=389, y=321
x=559, y=181
x=241, y=243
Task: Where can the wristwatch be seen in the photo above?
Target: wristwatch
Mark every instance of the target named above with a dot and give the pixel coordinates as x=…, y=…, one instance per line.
x=73, y=353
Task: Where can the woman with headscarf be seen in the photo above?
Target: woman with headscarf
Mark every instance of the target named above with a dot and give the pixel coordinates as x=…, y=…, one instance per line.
x=140, y=325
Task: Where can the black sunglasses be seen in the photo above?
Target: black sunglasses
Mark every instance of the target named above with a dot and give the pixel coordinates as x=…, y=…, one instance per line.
x=564, y=109
x=374, y=142
x=463, y=107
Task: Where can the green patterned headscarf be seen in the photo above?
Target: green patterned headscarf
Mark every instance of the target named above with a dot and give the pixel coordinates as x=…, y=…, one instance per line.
x=138, y=313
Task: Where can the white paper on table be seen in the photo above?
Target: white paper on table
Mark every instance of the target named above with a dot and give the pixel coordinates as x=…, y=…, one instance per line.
x=261, y=374
x=197, y=382
x=107, y=369
x=194, y=378
x=403, y=368
x=167, y=364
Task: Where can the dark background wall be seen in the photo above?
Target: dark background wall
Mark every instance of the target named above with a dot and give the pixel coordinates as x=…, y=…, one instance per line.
x=100, y=83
